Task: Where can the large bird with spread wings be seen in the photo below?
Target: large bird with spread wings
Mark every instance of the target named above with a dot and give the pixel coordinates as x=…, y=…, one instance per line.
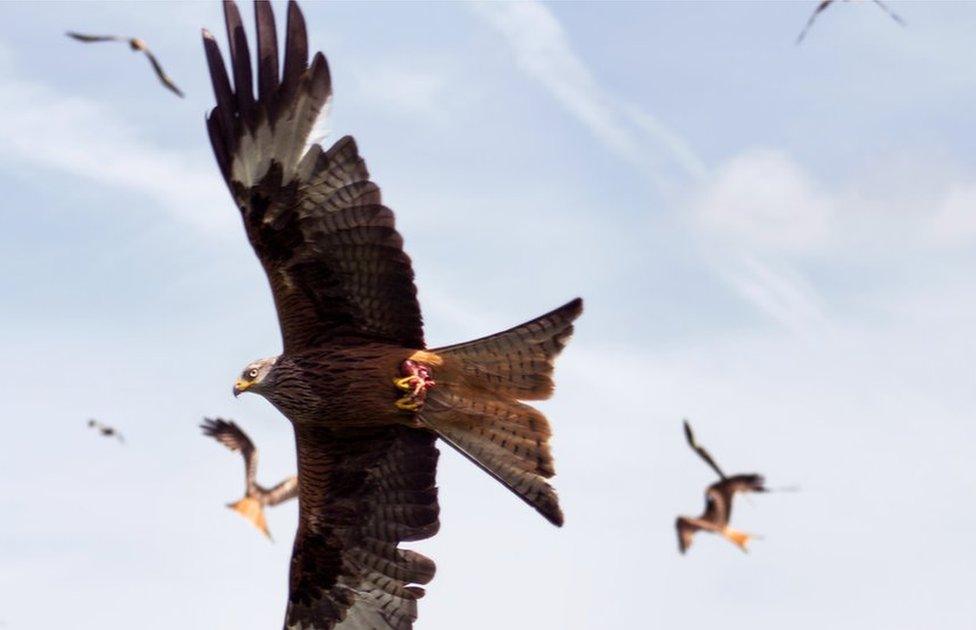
x=366, y=399
x=718, y=502
x=256, y=497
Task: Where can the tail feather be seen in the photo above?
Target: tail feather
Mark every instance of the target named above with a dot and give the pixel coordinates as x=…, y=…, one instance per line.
x=475, y=407
x=518, y=362
x=740, y=539
x=252, y=510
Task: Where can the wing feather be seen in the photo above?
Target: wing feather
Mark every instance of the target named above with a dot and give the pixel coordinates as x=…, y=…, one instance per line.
x=330, y=249
x=233, y=437
x=361, y=495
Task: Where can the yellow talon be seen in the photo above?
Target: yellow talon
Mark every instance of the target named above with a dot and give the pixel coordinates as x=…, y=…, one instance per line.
x=405, y=383
x=407, y=404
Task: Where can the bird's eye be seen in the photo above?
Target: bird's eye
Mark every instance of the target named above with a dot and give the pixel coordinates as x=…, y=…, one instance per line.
x=252, y=373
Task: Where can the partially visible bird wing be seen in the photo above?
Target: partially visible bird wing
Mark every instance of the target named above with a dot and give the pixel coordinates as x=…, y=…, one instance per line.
x=690, y=437
x=686, y=532
x=284, y=491
x=362, y=493
x=813, y=18
x=163, y=77
x=329, y=247
x=81, y=37
x=886, y=9
x=231, y=436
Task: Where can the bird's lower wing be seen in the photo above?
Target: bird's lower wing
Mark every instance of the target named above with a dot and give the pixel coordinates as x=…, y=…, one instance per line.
x=161, y=74
x=361, y=494
x=686, y=532
x=284, y=491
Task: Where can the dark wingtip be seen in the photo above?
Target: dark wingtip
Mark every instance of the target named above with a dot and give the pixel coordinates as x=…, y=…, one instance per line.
x=551, y=511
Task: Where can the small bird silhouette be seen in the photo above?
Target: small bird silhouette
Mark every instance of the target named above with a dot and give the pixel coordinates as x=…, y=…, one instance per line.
x=135, y=44
x=256, y=496
x=826, y=3
x=718, y=502
x=105, y=430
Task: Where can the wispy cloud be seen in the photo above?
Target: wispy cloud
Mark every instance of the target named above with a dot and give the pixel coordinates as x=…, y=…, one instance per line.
x=83, y=138
x=543, y=50
x=776, y=291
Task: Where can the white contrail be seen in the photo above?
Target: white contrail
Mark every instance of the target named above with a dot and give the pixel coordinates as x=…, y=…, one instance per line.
x=543, y=51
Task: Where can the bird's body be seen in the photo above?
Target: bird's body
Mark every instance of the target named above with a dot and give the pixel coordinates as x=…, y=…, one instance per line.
x=718, y=511
x=718, y=501
x=316, y=387
x=256, y=497
x=136, y=45
x=366, y=399
x=105, y=430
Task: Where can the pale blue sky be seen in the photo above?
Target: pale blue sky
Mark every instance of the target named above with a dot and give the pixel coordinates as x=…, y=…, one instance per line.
x=775, y=241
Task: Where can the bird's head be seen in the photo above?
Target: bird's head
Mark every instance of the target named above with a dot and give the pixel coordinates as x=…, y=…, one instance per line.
x=252, y=379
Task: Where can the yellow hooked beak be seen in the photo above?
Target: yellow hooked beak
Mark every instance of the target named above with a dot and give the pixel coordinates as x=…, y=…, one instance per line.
x=241, y=386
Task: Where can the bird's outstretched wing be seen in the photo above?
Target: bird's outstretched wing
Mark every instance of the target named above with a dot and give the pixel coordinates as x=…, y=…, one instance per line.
x=163, y=77
x=231, y=436
x=329, y=247
x=81, y=37
x=813, y=18
x=284, y=491
x=894, y=16
x=690, y=437
x=362, y=494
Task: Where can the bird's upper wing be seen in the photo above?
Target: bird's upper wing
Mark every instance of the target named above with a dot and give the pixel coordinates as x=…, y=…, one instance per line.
x=361, y=495
x=231, y=436
x=81, y=37
x=163, y=77
x=330, y=249
x=690, y=437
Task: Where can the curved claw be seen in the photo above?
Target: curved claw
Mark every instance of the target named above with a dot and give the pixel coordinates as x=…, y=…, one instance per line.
x=416, y=380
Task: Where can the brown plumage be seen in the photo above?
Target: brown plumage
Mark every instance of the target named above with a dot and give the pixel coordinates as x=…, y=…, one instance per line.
x=256, y=497
x=822, y=6
x=718, y=502
x=105, y=430
x=353, y=343
x=137, y=45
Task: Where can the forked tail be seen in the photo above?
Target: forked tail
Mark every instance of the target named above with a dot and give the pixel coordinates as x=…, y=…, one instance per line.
x=252, y=510
x=475, y=406
x=739, y=539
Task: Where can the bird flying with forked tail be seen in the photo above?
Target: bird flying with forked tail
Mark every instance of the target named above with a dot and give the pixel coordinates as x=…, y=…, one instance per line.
x=718, y=502
x=256, y=497
x=366, y=398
